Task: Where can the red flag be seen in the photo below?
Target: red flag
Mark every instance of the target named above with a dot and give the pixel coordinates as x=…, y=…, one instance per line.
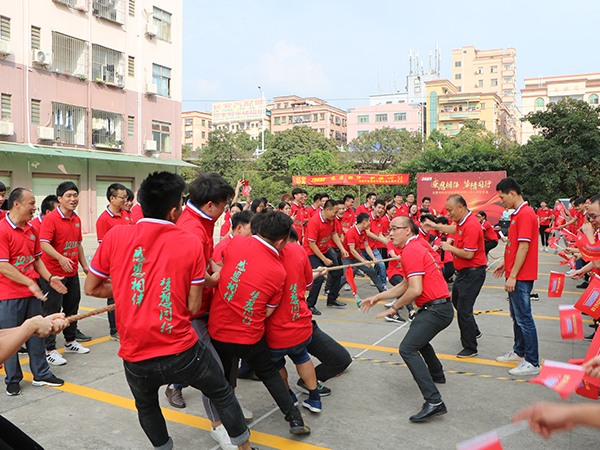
x=552, y=242
x=560, y=377
x=488, y=441
x=589, y=251
x=587, y=389
x=589, y=302
x=350, y=279
x=557, y=283
x=566, y=233
x=571, y=323
x=246, y=189
x=577, y=362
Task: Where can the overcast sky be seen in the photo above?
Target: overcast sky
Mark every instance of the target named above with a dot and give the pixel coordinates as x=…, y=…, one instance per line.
x=343, y=51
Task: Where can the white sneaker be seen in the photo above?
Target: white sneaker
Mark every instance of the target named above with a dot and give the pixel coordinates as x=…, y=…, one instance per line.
x=347, y=287
x=371, y=283
x=220, y=435
x=76, y=347
x=390, y=304
x=510, y=357
x=569, y=272
x=55, y=358
x=524, y=368
x=248, y=415
x=546, y=249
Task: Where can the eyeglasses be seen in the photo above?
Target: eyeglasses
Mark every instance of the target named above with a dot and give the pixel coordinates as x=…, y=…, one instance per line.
x=592, y=216
x=392, y=228
x=121, y=197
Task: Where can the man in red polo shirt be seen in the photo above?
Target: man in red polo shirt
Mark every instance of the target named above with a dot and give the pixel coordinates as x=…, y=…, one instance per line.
x=299, y=213
x=60, y=239
x=545, y=217
x=520, y=269
x=368, y=206
x=318, y=233
x=398, y=200
x=349, y=218
x=490, y=237
x=318, y=202
x=20, y=296
x=404, y=209
x=377, y=241
x=426, y=207
x=424, y=284
x=49, y=204
x=240, y=224
x=470, y=264
x=157, y=288
x=249, y=290
x=113, y=215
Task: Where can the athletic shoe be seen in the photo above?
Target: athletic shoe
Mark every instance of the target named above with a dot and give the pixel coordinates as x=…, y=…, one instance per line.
x=510, y=357
x=313, y=405
x=115, y=337
x=479, y=335
x=524, y=368
x=23, y=349
x=347, y=287
x=324, y=391
x=411, y=316
x=395, y=318
x=534, y=297
x=76, y=347
x=371, y=283
x=51, y=381
x=220, y=435
x=570, y=272
x=13, y=389
x=390, y=304
x=297, y=426
x=464, y=353
x=546, y=249
x=55, y=358
x=583, y=285
x=80, y=337
x=589, y=338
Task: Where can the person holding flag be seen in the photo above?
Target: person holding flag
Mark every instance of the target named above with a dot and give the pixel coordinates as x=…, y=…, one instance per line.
x=544, y=221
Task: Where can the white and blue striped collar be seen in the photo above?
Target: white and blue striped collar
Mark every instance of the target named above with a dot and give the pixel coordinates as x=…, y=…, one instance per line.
x=411, y=239
x=12, y=224
x=464, y=218
x=158, y=221
x=198, y=211
x=515, y=212
x=266, y=244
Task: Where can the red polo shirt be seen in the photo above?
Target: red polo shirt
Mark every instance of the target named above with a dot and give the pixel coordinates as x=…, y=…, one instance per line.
x=416, y=261
x=220, y=247
x=523, y=228
x=318, y=231
x=403, y=210
x=469, y=236
x=64, y=235
x=356, y=238
x=394, y=267
x=385, y=224
x=376, y=228
x=107, y=220
x=36, y=224
x=489, y=234
x=348, y=220
x=2, y=214
x=574, y=214
x=545, y=216
x=364, y=209
x=151, y=278
x=202, y=226
x=311, y=210
x=301, y=215
x=291, y=322
x=19, y=247
x=581, y=219
x=337, y=228
x=136, y=213
x=226, y=227
x=252, y=279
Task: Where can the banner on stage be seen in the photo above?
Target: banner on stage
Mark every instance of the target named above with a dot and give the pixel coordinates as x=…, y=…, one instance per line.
x=350, y=179
x=477, y=188
x=557, y=283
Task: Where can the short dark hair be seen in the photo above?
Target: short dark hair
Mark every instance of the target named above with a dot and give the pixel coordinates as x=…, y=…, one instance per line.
x=16, y=196
x=320, y=196
x=210, y=187
x=482, y=214
x=348, y=197
x=283, y=205
x=48, y=204
x=390, y=206
x=426, y=198
x=579, y=201
x=130, y=194
x=330, y=203
x=429, y=217
x=410, y=193
x=159, y=193
x=572, y=199
x=293, y=236
x=113, y=189
x=458, y=199
x=398, y=194
x=362, y=217
x=66, y=186
x=236, y=205
x=371, y=194
x=297, y=191
x=256, y=203
x=379, y=202
x=508, y=185
x=443, y=220
x=2, y=187
x=241, y=218
x=595, y=198
x=274, y=225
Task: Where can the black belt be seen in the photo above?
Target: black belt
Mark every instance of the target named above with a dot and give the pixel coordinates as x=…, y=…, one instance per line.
x=439, y=301
x=470, y=269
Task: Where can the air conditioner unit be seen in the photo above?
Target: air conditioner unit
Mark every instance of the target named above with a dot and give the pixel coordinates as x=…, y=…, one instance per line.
x=41, y=57
x=5, y=47
x=150, y=146
x=7, y=128
x=45, y=133
x=151, y=89
x=151, y=29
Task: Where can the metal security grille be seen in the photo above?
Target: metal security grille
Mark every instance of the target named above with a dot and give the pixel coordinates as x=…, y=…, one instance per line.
x=162, y=20
x=161, y=133
x=131, y=126
x=106, y=129
x=131, y=66
x=5, y=28
x=132, y=8
x=36, y=106
x=113, y=10
x=6, y=107
x=69, y=55
x=36, y=38
x=69, y=123
x=107, y=65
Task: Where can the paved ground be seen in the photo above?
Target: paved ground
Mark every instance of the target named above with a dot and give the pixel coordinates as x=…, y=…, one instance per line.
x=370, y=404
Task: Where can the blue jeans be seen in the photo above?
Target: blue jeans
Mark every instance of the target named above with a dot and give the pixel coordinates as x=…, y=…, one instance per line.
x=297, y=354
x=526, y=341
x=379, y=267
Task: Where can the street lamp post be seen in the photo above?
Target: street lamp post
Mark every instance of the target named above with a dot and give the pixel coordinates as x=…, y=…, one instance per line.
x=262, y=96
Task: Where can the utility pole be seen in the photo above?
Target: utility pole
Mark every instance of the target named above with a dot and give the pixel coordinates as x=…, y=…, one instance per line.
x=262, y=96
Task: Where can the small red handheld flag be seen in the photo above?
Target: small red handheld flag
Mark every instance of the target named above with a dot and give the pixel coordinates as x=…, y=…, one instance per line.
x=557, y=283
x=589, y=251
x=488, y=441
x=589, y=302
x=571, y=323
x=560, y=377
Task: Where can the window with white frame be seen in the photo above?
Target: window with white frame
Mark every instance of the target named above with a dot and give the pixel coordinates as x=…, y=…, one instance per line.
x=107, y=65
x=161, y=77
x=106, y=129
x=69, y=123
x=189, y=134
x=161, y=133
x=162, y=20
x=69, y=55
x=113, y=10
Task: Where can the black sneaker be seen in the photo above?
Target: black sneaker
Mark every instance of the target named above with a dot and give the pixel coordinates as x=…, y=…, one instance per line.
x=50, y=381
x=314, y=310
x=324, y=391
x=13, y=389
x=337, y=303
x=80, y=337
x=583, y=285
x=464, y=353
x=297, y=426
x=590, y=337
x=534, y=297
x=395, y=318
x=479, y=335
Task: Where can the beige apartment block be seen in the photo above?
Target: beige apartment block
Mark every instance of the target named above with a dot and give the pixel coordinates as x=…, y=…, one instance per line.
x=539, y=92
x=196, y=127
x=252, y=127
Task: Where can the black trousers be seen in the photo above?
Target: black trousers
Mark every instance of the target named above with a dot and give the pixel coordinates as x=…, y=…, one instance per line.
x=417, y=352
x=67, y=303
x=333, y=356
x=467, y=286
x=489, y=245
x=544, y=235
x=336, y=277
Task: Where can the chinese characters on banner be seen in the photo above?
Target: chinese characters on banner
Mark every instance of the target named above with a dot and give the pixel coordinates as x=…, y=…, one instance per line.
x=241, y=110
x=560, y=377
x=350, y=179
x=589, y=302
x=571, y=322
x=477, y=188
x=557, y=283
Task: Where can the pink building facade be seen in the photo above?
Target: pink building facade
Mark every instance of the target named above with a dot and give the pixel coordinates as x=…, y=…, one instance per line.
x=407, y=116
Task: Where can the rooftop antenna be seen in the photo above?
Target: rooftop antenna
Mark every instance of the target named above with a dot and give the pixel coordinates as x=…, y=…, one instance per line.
x=395, y=87
x=429, y=61
x=410, y=61
x=378, y=84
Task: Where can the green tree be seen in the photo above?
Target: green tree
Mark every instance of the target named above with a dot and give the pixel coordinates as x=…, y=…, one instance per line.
x=227, y=154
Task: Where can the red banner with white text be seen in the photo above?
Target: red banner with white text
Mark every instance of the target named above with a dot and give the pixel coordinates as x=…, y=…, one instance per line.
x=477, y=188
x=350, y=179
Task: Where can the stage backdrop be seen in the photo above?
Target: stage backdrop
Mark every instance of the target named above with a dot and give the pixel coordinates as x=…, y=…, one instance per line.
x=477, y=188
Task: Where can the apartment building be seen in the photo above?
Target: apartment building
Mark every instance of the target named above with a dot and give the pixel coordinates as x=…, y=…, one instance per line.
x=539, y=92
x=196, y=127
x=291, y=111
x=90, y=91
x=403, y=116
